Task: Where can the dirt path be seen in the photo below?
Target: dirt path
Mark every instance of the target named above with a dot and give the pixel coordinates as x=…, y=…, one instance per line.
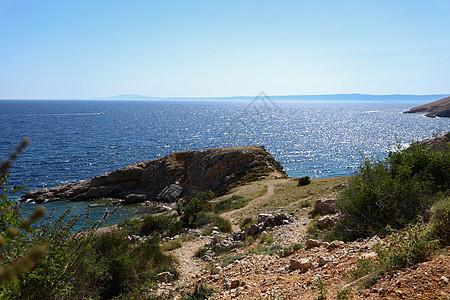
x=232, y=215
x=188, y=264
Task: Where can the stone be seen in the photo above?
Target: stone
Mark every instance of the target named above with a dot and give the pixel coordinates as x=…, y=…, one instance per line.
x=371, y=243
x=135, y=198
x=325, y=206
x=327, y=221
x=369, y=255
x=335, y=244
x=302, y=264
x=323, y=260
x=444, y=280
x=165, y=277
x=313, y=243
x=170, y=193
x=231, y=283
x=262, y=218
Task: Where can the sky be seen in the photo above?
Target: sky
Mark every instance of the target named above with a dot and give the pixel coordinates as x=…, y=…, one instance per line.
x=95, y=48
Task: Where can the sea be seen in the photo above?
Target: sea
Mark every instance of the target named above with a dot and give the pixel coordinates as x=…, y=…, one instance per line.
x=74, y=140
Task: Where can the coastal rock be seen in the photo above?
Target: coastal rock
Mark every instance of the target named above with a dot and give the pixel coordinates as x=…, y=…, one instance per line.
x=167, y=178
x=439, y=108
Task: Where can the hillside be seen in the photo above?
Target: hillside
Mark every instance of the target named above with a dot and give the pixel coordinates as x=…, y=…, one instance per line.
x=439, y=108
x=259, y=270
x=383, y=233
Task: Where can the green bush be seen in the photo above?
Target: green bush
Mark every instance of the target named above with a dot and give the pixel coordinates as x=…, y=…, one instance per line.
x=247, y=222
x=302, y=181
x=162, y=224
x=190, y=208
x=200, y=292
x=130, y=226
x=406, y=248
x=291, y=249
x=440, y=221
x=116, y=264
x=221, y=223
x=230, y=259
x=393, y=191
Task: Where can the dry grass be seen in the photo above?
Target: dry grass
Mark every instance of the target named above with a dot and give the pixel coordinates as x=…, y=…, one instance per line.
x=287, y=195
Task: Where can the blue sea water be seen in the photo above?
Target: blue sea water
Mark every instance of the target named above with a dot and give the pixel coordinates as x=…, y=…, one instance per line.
x=73, y=140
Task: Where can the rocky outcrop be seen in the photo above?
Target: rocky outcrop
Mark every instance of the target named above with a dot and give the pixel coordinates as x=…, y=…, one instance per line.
x=265, y=222
x=439, y=108
x=438, y=142
x=166, y=178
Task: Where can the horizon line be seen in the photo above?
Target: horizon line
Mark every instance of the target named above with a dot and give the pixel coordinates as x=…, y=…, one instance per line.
x=144, y=97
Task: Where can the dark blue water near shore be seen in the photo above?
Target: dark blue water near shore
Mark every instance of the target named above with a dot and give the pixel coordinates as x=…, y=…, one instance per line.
x=76, y=140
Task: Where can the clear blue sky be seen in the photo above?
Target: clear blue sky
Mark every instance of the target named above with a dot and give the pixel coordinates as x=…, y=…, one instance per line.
x=52, y=49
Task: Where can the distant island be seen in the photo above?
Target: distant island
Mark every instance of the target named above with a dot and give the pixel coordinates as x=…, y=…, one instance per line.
x=323, y=97
x=439, y=108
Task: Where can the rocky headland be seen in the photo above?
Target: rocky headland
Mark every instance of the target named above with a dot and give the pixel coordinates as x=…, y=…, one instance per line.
x=167, y=178
x=439, y=108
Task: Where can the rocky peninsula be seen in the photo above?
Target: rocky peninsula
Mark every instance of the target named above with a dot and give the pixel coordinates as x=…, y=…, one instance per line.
x=439, y=108
x=167, y=178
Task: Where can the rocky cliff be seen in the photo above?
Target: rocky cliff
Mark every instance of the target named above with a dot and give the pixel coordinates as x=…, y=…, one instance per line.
x=167, y=178
x=439, y=108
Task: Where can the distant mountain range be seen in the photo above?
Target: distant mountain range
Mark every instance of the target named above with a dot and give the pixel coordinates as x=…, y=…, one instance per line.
x=330, y=97
x=327, y=97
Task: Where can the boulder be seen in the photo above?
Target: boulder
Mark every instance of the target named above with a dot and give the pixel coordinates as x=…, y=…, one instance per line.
x=325, y=206
x=327, y=221
x=302, y=264
x=170, y=193
x=313, y=243
x=262, y=218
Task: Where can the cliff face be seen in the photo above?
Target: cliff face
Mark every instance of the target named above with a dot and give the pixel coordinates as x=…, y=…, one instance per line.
x=439, y=108
x=166, y=178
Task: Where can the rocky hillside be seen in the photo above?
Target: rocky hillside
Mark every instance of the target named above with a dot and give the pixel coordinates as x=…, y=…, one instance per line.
x=439, y=108
x=284, y=262
x=169, y=177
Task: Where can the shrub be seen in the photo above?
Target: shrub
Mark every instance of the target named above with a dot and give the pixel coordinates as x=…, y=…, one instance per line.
x=302, y=181
x=162, y=224
x=117, y=265
x=291, y=249
x=406, y=248
x=344, y=294
x=440, y=222
x=200, y=292
x=364, y=266
x=221, y=223
x=247, y=222
x=266, y=239
x=230, y=259
x=321, y=289
x=190, y=208
x=130, y=226
x=393, y=191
